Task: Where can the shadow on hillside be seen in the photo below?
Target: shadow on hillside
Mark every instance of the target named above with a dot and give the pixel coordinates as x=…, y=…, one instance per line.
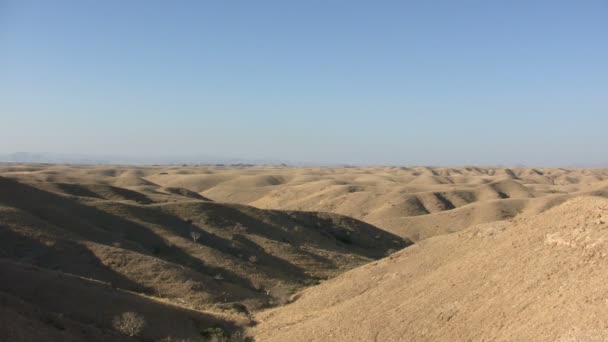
x=240, y=245
x=328, y=235
x=96, y=305
x=63, y=256
x=99, y=226
x=77, y=190
x=89, y=190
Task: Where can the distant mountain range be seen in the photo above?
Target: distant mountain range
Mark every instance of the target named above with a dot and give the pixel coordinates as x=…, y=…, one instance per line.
x=86, y=159
x=67, y=158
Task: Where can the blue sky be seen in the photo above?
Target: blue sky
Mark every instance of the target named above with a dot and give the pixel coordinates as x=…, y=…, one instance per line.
x=363, y=82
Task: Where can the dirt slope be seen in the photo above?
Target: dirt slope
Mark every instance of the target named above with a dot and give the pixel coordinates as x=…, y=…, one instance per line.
x=92, y=243
x=65, y=307
x=537, y=278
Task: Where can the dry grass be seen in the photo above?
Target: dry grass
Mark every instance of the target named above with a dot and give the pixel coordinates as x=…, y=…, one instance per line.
x=129, y=323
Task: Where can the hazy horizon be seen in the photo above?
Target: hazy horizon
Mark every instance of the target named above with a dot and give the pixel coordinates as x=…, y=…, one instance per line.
x=414, y=83
x=148, y=160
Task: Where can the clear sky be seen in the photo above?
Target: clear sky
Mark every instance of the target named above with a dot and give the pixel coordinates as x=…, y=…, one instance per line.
x=366, y=82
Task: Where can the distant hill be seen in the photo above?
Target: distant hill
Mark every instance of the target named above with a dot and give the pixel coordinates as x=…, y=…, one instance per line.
x=412, y=202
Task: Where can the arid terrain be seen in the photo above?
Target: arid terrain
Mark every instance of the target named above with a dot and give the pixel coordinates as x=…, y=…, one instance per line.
x=539, y=278
x=278, y=253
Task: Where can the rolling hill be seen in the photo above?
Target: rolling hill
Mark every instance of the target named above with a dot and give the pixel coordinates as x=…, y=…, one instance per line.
x=204, y=264
x=275, y=253
x=537, y=278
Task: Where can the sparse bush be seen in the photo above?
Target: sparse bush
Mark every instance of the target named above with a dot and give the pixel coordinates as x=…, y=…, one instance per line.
x=129, y=323
x=344, y=237
x=280, y=294
x=175, y=339
x=217, y=334
x=311, y=282
x=238, y=228
x=54, y=320
x=257, y=284
x=195, y=236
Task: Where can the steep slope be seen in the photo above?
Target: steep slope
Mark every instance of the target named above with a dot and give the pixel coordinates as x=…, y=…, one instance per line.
x=537, y=278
